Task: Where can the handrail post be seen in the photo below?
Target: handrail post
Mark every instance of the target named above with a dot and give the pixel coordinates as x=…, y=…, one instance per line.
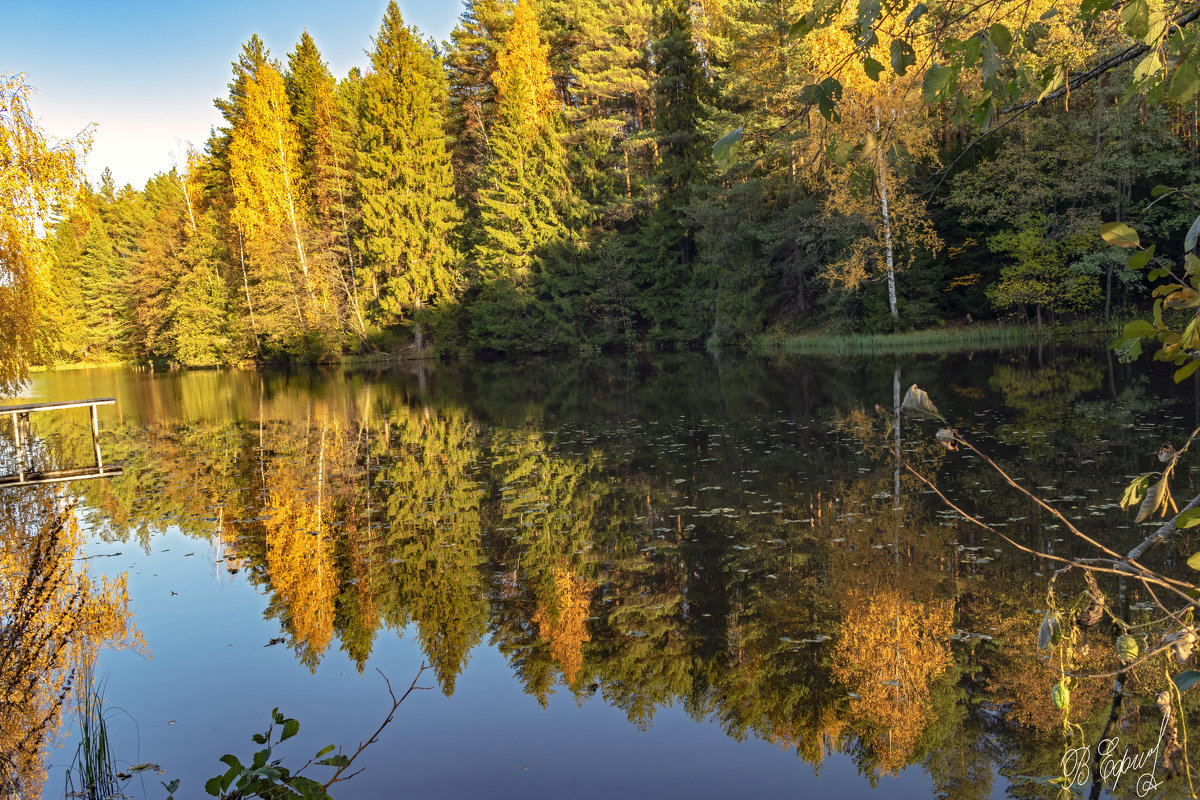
x=96, y=439
x=19, y=448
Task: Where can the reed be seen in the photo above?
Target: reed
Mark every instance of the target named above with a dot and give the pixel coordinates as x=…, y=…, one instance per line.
x=933, y=341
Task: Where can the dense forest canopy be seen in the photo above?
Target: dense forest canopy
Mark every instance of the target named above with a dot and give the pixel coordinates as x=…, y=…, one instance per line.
x=547, y=180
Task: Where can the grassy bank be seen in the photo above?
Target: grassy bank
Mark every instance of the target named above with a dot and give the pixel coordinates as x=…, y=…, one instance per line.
x=933, y=341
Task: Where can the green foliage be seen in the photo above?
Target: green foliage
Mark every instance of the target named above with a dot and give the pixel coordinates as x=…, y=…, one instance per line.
x=268, y=778
x=406, y=188
x=1039, y=275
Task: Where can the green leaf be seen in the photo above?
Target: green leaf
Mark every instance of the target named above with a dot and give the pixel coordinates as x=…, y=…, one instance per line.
x=1136, y=16
x=324, y=751
x=1185, y=83
x=725, y=148
x=872, y=68
x=1160, y=190
x=1090, y=8
x=1119, y=234
x=938, y=83
x=917, y=12
x=1137, y=329
x=213, y=786
x=971, y=50
x=1194, y=561
x=1159, y=272
x=918, y=405
x=1157, y=24
x=1001, y=37
x=903, y=56
x=1054, y=77
x=232, y=761
x=800, y=28
x=290, y=728
x=1136, y=490
x=1048, y=14
x=1186, y=679
x=1061, y=695
x=828, y=94
x=1148, y=67
x=868, y=12
x=1139, y=259
x=1189, y=241
x=1127, y=648
x=1185, y=372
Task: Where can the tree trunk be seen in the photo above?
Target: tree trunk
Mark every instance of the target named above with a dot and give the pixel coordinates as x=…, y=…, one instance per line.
x=887, y=222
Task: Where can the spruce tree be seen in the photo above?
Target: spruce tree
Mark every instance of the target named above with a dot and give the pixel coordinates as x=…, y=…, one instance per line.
x=475, y=44
x=613, y=101
x=307, y=80
x=666, y=244
x=527, y=204
x=409, y=216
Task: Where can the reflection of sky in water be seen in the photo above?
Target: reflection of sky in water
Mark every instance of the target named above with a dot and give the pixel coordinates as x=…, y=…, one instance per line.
x=210, y=683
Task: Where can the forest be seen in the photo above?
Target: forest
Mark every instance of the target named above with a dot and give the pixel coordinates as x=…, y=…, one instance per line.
x=585, y=175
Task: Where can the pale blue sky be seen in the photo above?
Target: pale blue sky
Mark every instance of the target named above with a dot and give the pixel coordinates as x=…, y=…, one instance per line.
x=146, y=73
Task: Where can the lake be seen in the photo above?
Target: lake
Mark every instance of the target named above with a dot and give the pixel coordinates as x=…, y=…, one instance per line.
x=665, y=576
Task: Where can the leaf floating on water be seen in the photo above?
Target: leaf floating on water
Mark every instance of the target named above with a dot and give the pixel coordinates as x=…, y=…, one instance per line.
x=918, y=405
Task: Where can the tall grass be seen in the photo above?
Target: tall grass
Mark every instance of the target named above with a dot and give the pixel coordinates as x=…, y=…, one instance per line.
x=94, y=766
x=933, y=341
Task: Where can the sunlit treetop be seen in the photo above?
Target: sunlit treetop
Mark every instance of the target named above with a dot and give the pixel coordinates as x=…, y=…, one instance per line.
x=37, y=175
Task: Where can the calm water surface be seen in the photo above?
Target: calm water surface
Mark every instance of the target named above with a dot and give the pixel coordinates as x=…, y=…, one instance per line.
x=675, y=577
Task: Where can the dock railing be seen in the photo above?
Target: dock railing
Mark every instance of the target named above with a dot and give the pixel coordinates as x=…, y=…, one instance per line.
x=27, y=473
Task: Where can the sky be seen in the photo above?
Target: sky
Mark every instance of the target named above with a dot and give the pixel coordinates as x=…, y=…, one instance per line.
x=143, y=75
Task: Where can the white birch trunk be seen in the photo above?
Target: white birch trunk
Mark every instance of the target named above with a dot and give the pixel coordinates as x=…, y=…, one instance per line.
x=887, y=221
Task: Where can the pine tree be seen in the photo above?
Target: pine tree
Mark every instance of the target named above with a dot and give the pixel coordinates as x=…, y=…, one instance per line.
x=253, y=57
x=408, y=211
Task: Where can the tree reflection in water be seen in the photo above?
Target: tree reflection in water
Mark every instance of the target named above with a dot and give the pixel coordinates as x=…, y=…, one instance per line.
x=54, y=618
x=750, y=555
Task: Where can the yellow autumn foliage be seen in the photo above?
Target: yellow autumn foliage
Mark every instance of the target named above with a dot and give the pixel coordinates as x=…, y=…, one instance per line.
x=300, y=547
x=890, y=650
x=36, y=176
x=564, y=623
x=54, y=619
x=524, y=66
